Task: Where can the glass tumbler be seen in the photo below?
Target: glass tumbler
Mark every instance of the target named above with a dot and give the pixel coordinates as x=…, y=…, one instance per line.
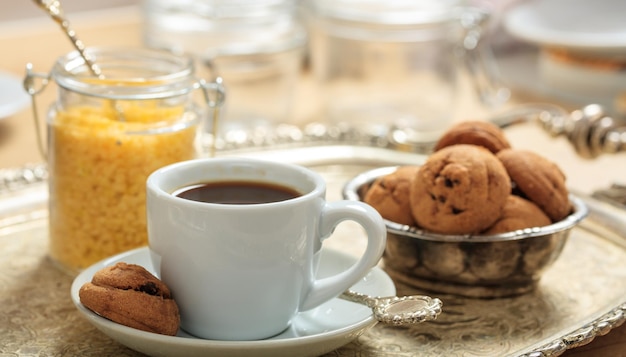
x=256, y=46
x=391, y=67
x=106, y=134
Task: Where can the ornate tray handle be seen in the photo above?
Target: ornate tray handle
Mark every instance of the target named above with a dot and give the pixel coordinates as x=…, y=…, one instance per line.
x=591, y=130
x=582, y=335
x=14, y=179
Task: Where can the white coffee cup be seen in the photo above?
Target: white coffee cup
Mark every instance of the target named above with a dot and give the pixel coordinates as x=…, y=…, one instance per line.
x=243, y=271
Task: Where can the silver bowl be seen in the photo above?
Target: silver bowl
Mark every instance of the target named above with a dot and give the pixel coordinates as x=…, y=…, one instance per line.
x=485, y=266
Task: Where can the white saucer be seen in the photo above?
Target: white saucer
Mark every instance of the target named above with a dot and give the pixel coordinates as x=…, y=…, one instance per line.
x=13, y=96
x=312, y=333
x=580, y=25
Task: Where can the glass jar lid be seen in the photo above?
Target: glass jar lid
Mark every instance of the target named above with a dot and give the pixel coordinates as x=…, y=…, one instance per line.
x=127, y=73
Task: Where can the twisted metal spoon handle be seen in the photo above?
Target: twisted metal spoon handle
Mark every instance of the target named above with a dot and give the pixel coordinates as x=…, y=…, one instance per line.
x=395, y=310
x=54, y=9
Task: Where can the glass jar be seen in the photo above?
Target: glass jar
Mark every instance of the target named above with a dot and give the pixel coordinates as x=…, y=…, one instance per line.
x=391, y=67
x=256, y=46
x=105, y=136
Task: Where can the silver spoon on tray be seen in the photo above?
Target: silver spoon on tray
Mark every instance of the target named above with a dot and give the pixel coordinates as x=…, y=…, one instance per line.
x=398, y=310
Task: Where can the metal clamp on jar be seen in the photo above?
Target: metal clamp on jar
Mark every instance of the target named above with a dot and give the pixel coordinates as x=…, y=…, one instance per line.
x=106, y=134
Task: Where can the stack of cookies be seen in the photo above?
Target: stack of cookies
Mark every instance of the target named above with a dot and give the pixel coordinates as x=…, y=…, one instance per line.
x=474, y=183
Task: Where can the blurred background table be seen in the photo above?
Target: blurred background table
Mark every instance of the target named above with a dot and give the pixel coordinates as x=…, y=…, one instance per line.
x=39, y=41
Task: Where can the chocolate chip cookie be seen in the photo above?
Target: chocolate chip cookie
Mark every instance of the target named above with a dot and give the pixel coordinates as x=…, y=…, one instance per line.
x=474, y=132
x=130, y=295
x=389, y=195
x=539, y=180
x=518, y=213
x=460, y=189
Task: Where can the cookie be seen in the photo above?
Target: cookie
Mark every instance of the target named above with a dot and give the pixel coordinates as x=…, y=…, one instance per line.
x=539, y=180
x=460, y=189
x=518, y=213
x=389, y=195
x=474, y=132
x=130, y=295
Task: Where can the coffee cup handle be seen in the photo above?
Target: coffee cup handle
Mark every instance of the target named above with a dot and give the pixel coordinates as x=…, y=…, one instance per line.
x=334, y=213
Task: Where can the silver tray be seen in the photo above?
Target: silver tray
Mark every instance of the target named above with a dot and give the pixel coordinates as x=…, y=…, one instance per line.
x=583, y=295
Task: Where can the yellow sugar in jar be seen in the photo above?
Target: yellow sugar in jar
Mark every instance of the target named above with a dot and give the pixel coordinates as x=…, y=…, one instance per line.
x=105, y=136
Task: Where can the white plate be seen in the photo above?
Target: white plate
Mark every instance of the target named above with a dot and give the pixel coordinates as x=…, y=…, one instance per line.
x=592, y=26
x=13, y=96
x=312, y=333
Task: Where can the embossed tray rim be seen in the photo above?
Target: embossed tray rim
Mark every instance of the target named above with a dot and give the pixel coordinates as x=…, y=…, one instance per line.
x=24, y=201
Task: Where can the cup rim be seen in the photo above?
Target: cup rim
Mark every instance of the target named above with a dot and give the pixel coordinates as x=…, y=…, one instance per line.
x=579, y=212
x=175, y=169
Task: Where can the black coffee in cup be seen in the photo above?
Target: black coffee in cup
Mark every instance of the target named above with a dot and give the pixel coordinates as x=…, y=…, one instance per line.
x=237, y=192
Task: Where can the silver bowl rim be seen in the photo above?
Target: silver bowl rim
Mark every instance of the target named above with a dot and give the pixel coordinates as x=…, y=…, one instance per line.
x=350, y=192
